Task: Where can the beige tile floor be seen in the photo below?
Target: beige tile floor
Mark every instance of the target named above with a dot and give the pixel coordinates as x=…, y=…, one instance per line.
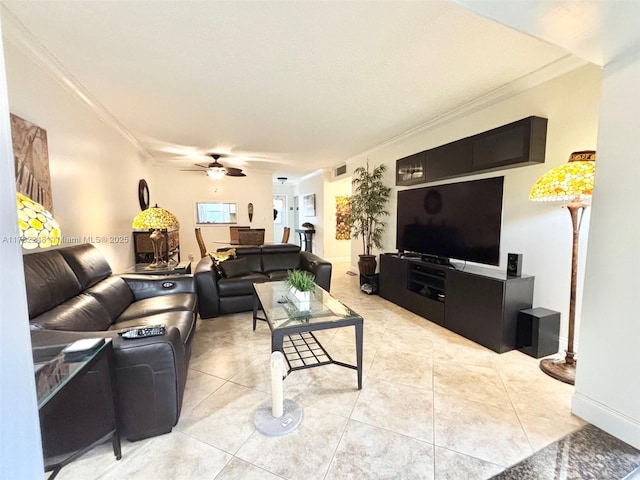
x=433, y=405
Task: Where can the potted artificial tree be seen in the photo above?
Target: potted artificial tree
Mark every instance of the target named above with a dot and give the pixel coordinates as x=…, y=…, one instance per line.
x=367, y=210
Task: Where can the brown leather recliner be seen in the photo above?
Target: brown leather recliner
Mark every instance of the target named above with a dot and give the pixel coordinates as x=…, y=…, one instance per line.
x=72, y=294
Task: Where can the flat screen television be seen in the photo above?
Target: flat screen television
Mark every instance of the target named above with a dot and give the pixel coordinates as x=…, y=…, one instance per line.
x=458, y=220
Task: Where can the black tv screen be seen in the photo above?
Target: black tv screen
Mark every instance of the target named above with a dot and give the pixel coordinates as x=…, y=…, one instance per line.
x=457, y=220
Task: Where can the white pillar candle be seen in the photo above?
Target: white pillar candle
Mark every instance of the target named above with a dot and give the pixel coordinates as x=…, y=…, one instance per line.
x=278, y=372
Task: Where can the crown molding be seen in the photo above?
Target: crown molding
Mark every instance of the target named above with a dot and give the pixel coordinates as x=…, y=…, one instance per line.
x=18, y=35
x=548, y=72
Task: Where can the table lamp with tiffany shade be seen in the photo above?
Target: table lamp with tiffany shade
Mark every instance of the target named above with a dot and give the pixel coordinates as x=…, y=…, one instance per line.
x=36, y=225
x=156, y=219
x=571, y=183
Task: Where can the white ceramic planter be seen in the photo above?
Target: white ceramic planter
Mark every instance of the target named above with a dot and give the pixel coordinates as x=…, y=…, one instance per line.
x=302, y=300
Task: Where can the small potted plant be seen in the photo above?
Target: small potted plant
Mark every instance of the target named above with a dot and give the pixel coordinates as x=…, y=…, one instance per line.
x=367, y=210
x=301, y=284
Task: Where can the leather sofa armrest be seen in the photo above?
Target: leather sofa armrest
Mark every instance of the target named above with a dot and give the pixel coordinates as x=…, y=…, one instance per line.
x=146, y=286
x=207, y=286
x=151, y=374
x=320, y=268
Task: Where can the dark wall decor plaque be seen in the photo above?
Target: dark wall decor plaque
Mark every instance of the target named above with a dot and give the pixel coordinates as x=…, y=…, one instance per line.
x=143, y=194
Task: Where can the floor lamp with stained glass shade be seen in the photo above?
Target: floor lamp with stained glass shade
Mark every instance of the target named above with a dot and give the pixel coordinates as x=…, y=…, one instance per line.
x=156, y=219
x=36, y=226
x=571, y=183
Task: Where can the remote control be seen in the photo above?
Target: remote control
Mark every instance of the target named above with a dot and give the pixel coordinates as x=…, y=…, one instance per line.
x=141, y=332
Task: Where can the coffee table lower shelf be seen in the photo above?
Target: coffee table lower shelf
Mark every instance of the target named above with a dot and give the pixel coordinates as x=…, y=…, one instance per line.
x=304, y=350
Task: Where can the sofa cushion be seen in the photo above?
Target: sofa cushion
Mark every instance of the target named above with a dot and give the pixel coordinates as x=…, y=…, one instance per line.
x=280, y=257
x=280, y=261
x=88, y=263
x=160, y=304
x=182, y=320
x=277, y=275
x=229, y=287
x=221, y=256
x=235, y=268
x=252, y=254
x=114, y=295
x=49, y=281
x=81, y=313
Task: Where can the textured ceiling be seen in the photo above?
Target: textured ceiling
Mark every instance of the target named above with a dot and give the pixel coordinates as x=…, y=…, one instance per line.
x=287, y=87
x=598, y=31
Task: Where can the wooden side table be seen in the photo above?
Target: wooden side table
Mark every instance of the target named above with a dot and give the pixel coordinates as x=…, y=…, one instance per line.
x=76, y=403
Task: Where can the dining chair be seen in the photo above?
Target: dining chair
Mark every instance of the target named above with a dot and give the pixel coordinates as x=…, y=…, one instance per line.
x=233, y=233
x=285, y=235
x=251, y=236
x=200, y=240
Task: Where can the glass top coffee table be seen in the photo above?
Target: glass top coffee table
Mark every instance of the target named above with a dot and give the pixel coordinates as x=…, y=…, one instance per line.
x=292, y=323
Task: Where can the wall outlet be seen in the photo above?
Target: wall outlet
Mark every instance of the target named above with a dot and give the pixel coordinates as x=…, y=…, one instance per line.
x=191, y=257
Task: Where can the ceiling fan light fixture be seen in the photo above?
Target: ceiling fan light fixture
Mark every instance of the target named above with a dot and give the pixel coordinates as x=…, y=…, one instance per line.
x=216, y=172
x=282, y=179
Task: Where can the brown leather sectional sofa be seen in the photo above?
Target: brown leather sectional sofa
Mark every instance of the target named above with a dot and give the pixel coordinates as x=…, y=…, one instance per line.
x=220, y=294
x=72, y=294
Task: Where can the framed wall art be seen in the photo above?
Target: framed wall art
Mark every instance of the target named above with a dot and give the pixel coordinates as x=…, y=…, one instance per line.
x=309, y=205
x=343, y=209
x=411, y=170
x=31, y=157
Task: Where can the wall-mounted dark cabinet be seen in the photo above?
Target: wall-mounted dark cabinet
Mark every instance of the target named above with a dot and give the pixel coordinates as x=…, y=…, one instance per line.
x=513, y=145
x=450, y=160
x=411, y=170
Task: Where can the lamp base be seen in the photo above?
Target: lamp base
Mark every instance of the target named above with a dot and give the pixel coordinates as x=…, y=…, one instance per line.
x=559, y=369
x=158, y=264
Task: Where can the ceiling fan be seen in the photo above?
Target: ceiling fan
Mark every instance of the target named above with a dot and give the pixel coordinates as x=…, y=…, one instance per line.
x=215, y=169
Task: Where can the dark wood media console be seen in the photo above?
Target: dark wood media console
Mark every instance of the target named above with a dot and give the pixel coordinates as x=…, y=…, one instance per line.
x=480, y=304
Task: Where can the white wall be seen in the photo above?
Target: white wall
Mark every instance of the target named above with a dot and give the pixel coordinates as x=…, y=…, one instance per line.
x=94, y=169
x=607, y=383
x=20, y=446
x=314, y=184
x=179, y=191
x=94, y=177
x=540, y=231
x=334, y=250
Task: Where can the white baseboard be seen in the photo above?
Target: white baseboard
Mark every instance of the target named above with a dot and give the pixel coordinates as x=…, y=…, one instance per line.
x=562, y=345
x=617, y=424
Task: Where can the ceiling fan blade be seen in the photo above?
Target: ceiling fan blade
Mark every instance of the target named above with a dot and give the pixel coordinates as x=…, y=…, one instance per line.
x=235, y=172
x=192, y=170
x=201, y=166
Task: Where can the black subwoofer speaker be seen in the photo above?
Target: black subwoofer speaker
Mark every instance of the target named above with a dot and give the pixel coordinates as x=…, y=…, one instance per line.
x=537, y=332
x=514, y=264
